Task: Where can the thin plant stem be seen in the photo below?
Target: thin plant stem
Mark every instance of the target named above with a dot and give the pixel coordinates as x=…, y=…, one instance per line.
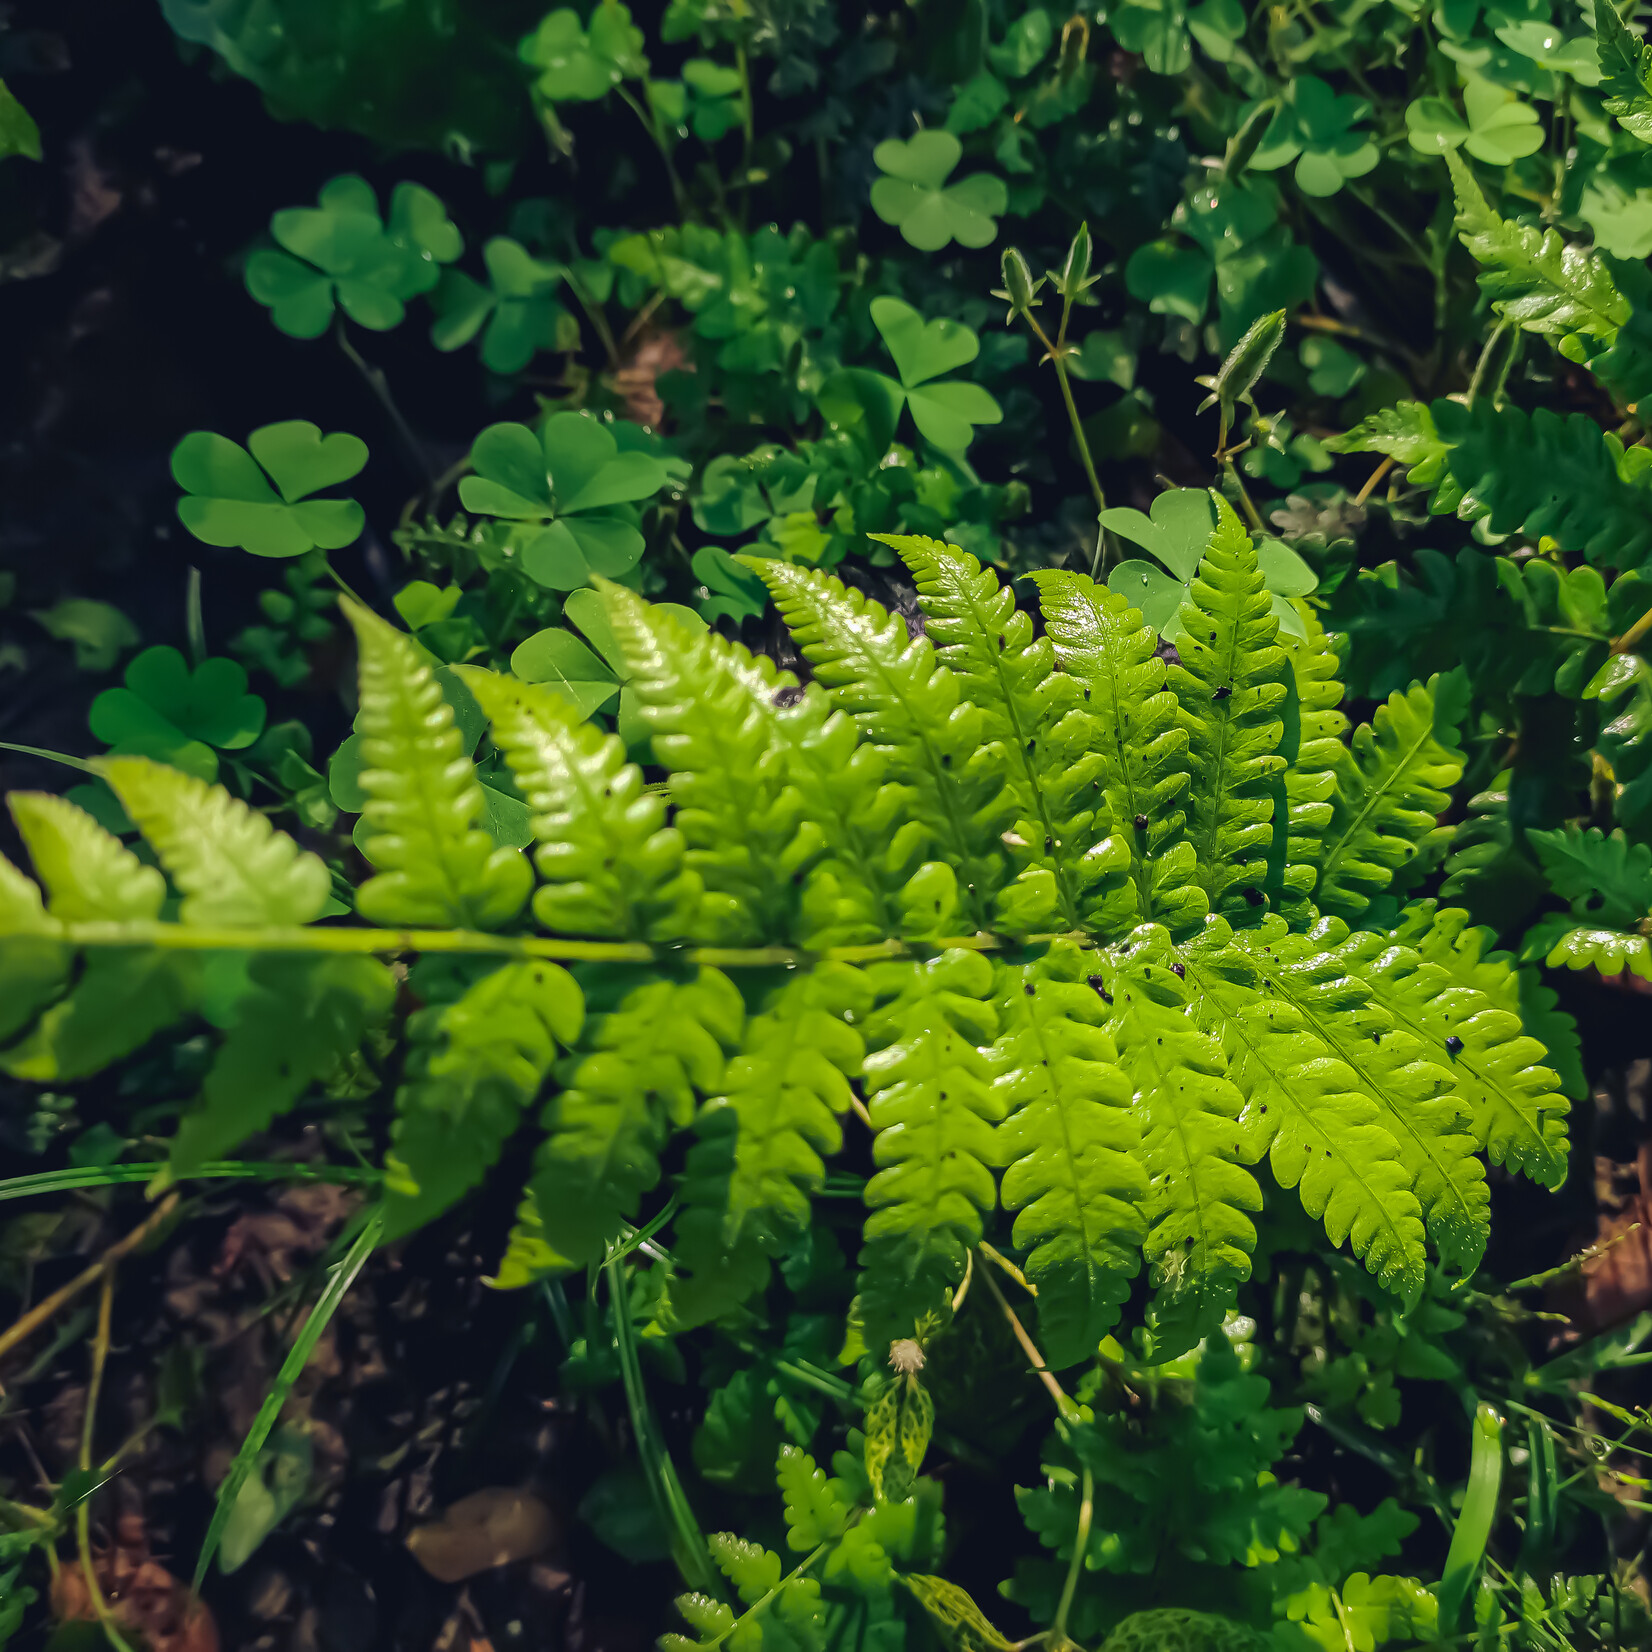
x=1075, y=1566
x=1008, y=1266
x=194, y=620
x=1064, y=1406
x=1485, y=356
x=83, y=1510
x=43, y=1310
x=1373, y=479
x=51, y=756
x=375, y=381
x=651, y=124
x=688, y=1544
x=595, y=315
x=1632, y=637
x=343, y=584
x=1053, y=354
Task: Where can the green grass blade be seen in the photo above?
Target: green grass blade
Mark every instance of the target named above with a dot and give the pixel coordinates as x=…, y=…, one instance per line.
x=341, y=1278
x=242, y=1170
x=1474, y=1523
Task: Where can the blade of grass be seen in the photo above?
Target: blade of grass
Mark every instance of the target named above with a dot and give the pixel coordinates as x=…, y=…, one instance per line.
x=342, y=1276
x=688, y=1544
x=1474, y=1523
x=111, y=1175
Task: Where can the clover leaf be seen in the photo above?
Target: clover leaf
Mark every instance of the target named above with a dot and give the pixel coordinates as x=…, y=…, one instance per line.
x=735, y=592
x=1158, y=30
x=945, y=413
x=579, y=63
x=341, y=253
x=229, y=501
x=915, y=197
x=562, y=662
x=573, y=482
x=175, y=715
x=1547, y=47
x=1315, y=127
x=1176, y=533
x=1499, y=130
x=518, y=307
x=706, y=100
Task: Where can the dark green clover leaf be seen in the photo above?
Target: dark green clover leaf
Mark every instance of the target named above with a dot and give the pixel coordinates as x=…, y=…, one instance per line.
x=175, y=715
x=1026, y=43
x=946, y=413
x=229, y=502
x=915, y=197
x=19, y=135
x=1171, y=278
x=579, y=64
x=1332, y=370
x=1158, y=30
x=518, y=307
x=1315, y=127
x=1176, y=534
x=562, y=662
x=340, y=252
x=1500, y=129
x=705, y=101
x=736, y=593
x=587, y=611
x=573, y=482
x=1547, y=46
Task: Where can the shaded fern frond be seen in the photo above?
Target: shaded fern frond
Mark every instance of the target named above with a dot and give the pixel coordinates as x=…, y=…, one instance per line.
x=1391, y=787
x=90, y=876
x=1230, y=690
x=1309, y=783
x=1101, y=640
x=907, y=703
x=1200, y=1235
x=1306, y=1109
x=422, y=821
x=1071, y=1147
x=1036, y=716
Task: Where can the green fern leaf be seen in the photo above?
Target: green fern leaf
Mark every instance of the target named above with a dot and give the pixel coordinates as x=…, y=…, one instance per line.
x=1534, y=278
x=911, y=707
x=1406, y=434
x=1102, y=641
x=748, y=1178
x=611, y=865
x=478, y=1058
x=1230, y=690
x=740, y=817
x=120, y=1001
x=301, y=1018
x=1607, y=879
x=1310, y=776
x=33, y=964
x=1319, y=975
x=1543, y=475
x=1391, y=787
x=1563, y=943
x=233, y=868
x=1071, y=1144
x=1035, y=715
x=932, y=1104
x=1199, y=1236
x=1306, y=1110
x=815, y=1514
x=1518, y=1113
x=422, y=821
x=1625, y=73
x=648, y=1048
x=89, y=874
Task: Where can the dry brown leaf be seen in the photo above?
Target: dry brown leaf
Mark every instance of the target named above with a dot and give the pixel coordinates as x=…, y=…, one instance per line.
x=487, y=1529
x=144, y=1597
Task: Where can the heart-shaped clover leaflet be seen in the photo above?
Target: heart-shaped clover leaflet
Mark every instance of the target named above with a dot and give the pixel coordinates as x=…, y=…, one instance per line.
x=922, y=349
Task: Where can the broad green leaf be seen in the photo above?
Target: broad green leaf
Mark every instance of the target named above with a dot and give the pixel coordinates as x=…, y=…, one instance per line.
x=89, y=875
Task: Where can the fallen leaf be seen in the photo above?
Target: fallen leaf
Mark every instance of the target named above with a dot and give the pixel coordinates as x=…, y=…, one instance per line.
x=487, y=1529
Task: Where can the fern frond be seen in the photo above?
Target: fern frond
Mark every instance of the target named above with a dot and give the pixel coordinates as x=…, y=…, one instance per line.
x=932, y=1104
x=1071, y=1146
x=647, y=1050
x=865, y=884
x=33, y=964
x=611, y=865
x=1035, y=714
x=1607, y=878
x=1199, y=1235
x=477, y=1060
x=1625, y=73
x=1391, y=788
x=1563, y=943
x=118, y=1003
x=908, y=704
x=90, y=876
x=736, y=809
x=1518, y=1113
x=1230, y=691
x=1406, y=434
x=422, y=820
x=233, y=868
x=301, y=1018
x=1311, y=768
x=1102, y=641
x=748, y=1178
x=1319, y=976
x=1306, y=1110
x=1542, y=474
x=1534, y=277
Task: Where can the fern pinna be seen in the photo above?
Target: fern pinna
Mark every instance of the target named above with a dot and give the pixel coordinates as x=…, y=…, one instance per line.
x=1076, y=925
